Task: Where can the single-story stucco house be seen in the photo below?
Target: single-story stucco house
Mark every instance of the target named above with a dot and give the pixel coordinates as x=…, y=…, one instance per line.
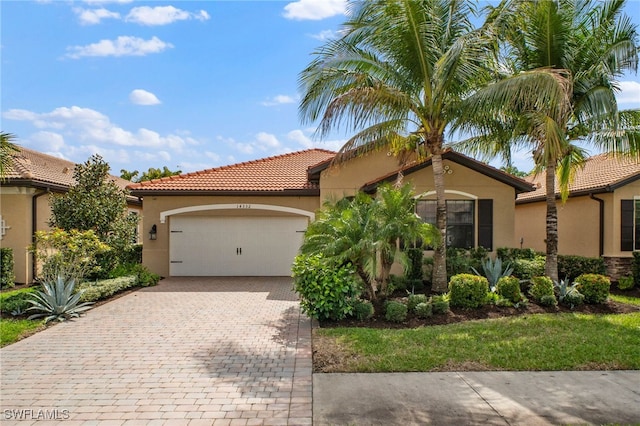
x=25, y=206
x=600, y=218
x=248, y=219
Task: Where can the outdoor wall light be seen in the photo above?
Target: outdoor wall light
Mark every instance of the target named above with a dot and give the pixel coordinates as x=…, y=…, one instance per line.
x=153, y=234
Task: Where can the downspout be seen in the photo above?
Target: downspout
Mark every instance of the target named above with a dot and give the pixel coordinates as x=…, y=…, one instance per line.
x=601, y=231
x=34, y=228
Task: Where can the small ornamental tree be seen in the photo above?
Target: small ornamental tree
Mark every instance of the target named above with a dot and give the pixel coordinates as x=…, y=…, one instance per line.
x=96, y=203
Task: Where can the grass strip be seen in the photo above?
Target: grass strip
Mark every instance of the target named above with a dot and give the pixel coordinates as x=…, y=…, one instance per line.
x=13, y=330
x=569, y=341
x=625, y=299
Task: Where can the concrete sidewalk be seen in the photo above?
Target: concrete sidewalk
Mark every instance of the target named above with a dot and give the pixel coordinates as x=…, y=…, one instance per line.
x=469, y=398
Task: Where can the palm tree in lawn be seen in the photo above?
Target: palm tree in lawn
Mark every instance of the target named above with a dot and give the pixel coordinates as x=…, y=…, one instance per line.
x=7, y=150
x=396, y=77
x=561, y=62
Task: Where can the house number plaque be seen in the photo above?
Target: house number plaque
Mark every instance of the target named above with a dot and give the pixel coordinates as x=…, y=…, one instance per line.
x=243, y=206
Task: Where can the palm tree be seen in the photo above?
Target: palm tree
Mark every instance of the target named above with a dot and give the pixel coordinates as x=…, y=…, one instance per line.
x=365, y=231
x=7, y=150
x=560, y=65
x=396, y=77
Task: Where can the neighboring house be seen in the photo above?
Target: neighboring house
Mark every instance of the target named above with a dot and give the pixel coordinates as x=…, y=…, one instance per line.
x=24, y=203
x=600, y=218
x=249, y=218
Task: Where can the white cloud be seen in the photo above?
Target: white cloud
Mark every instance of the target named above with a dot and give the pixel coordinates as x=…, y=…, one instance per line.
x=93, y=128
x=306, y=142
x=279, y=100
x=629, y=92
x=326, y=35
x=122, y=46
x=142, y=97
x=107, y=1
x=94, y=16
x=314, y=9
x=54, y=141
x=162, y=15
x=266, y=141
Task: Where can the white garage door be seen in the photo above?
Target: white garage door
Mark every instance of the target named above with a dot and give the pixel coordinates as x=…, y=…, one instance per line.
x=234, y=246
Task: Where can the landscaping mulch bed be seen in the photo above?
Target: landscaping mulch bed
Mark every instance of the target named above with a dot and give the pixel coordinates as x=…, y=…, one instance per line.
x=486, y=312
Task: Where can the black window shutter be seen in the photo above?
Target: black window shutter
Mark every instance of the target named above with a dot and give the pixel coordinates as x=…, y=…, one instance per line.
x=485, y=224
x=626, y=229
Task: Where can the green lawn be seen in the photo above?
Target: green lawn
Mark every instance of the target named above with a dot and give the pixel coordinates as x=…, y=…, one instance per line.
x=625, y=299
x=534, y=342
x=13, y=330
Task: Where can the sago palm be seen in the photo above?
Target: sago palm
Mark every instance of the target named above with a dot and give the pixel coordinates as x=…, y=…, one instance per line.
x=396, y=77
x=560, y=62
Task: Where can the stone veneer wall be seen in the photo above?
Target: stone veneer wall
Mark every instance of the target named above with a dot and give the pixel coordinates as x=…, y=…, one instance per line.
x=618, y=267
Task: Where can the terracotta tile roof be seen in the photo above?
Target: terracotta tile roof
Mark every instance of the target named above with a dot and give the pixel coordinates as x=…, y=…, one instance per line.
x=520, y=185
x=286, y=172
x=35, y=168
x=601, y=173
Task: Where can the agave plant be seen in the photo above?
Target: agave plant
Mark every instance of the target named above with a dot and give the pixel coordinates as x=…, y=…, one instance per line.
x=568, y=294
x=58, y=301
x=493, y=271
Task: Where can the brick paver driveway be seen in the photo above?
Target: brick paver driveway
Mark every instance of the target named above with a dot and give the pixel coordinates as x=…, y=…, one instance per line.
x=189, y=351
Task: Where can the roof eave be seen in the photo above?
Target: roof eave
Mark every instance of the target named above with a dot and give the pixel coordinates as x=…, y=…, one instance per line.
x=182, y=192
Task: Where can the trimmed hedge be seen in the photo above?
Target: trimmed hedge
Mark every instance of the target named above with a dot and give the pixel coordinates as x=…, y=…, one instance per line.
x=526, y=269
x=509, y=288
x=570, y=267
x=7, y=276
x=594, y=287
x=635, y=268
x=98, y=290
x=468, y=291
x=541, y=291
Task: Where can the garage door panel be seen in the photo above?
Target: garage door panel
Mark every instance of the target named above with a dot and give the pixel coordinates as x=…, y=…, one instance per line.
x=240, y=246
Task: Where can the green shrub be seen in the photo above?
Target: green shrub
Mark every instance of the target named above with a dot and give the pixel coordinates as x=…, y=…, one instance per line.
x=468, y=291
x=503, y=302
x=525, y=269
x=16, y=302
x=571, y=267
x=626, y=283
x=540, y=287
x=325, y=289
x=424, y=310
x=492, y=298
x=395, y=311
x=548, y=300
x=414, y=269
x=594, y=287
x=508, y=254
x=414, y=300
x=362, y=309
x=635, y=268
x=509, y=288
x=7, y=276
x=440, y=304
x=397, y=282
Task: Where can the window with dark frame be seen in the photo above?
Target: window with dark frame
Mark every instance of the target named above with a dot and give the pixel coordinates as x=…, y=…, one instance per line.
x=460, y=220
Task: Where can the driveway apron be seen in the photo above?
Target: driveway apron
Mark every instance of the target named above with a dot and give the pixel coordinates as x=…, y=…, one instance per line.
x=232, y=351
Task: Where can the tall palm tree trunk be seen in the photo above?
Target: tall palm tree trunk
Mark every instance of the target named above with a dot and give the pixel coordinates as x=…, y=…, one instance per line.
x=440, y=254
x=551, y=264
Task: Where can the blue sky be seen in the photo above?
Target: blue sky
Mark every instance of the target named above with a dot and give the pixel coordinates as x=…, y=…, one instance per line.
x=185, y=84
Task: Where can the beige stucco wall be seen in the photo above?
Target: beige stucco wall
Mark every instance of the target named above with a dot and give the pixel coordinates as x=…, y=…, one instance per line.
x=578, y=223
x=155, y=254
x=461, y=184
x=16, y=211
